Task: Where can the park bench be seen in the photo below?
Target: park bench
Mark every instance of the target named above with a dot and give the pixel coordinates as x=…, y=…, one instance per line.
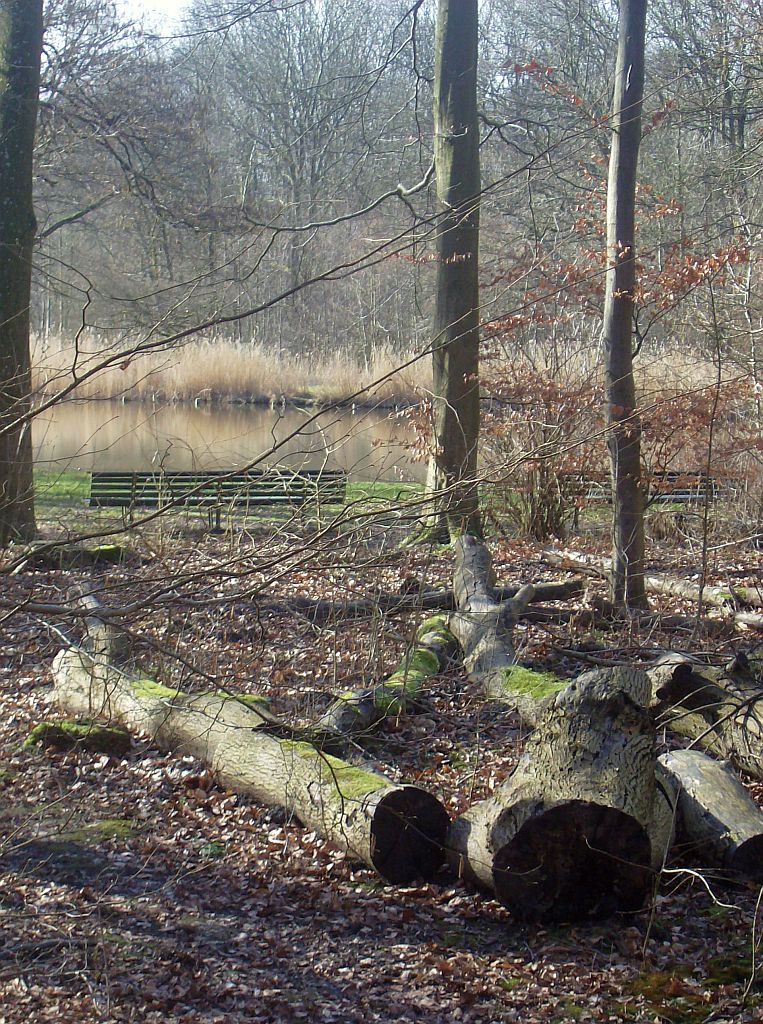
x=217, y=491
x=665, y=486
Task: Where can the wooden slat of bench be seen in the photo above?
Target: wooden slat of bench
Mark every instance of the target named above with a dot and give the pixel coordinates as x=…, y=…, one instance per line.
x=215, y=488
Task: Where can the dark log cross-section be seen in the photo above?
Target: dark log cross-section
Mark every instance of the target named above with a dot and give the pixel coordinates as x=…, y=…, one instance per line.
x=579, y=827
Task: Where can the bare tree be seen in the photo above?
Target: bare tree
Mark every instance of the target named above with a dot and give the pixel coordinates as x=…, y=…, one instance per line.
x=20, y=49
x=455, y=344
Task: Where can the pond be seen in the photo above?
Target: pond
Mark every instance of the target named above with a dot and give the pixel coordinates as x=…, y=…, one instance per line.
x=87, y=435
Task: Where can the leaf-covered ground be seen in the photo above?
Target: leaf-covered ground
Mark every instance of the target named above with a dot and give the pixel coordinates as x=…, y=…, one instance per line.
x=136, y=889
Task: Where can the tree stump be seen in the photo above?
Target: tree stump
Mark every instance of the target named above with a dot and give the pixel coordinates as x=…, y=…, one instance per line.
x=578, y=828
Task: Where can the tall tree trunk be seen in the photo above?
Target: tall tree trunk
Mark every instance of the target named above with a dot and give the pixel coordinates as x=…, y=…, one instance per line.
x=622, y=418
x=20, y=49
x=455, y=342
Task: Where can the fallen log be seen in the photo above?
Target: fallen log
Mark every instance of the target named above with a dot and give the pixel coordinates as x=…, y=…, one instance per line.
x=62, y=556
x=728, y=599
x=66, y=735
x=719, y=709
x=321, y=610
x=483, y=626
x=753, y=620
x=396, y=829
x=751, y=596
x=595, y=618
x=719, y=818
x=357, y=711
x=581, y=825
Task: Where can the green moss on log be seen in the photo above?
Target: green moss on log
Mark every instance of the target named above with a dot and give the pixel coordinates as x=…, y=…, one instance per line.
x=252, y=700
x=65, y=735
x=389, y=700
x=351, y=783
x=351, y=701
x=437, y=624
x=74, y=556
x=414, y=669
x=442, y=637
x=149, y=688
x=534, y=684
x=420, y=660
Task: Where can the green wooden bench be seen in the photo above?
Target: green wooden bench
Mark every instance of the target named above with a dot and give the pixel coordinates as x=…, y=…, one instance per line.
x=665, y=487
x=217, y=491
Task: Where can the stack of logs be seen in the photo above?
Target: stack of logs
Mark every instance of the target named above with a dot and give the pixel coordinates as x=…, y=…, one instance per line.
x=583, y=825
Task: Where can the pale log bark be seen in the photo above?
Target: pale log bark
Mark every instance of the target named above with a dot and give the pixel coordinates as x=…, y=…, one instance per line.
x=578, y=828
x=720, y=709
x=719, y=818
x=725, y=598
x=397, y=830
x=483, y=626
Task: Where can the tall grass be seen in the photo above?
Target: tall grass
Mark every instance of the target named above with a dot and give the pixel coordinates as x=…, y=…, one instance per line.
x=222, y=370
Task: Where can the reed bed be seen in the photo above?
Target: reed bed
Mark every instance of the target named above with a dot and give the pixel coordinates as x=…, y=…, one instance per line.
x=220, y=370
x=224, y=371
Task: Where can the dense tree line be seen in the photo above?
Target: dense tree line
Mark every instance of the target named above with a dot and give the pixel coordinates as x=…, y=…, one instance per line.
x=199, y=176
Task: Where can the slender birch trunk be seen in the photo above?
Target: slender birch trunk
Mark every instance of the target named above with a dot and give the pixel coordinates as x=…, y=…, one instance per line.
x=622, y=416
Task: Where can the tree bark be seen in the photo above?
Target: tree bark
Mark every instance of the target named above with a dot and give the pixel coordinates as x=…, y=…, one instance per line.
x=578, y=828
x=483, y=626
x=719, y=819
x=20, y=50
x=397, y=830
x=720, y=709
x=455, y=342
x=624, y=433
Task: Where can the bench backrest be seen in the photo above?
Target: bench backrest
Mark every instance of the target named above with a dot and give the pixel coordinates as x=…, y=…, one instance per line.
x=664, y=485
x=216, y=488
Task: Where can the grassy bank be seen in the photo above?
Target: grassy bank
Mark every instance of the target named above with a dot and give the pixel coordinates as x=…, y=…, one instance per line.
x=221, y=370
x=66, y=489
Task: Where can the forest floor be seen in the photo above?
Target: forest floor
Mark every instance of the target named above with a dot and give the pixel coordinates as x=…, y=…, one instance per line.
x=136, y=889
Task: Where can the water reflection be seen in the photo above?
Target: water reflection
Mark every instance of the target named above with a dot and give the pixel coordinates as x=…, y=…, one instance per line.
x=111, y=435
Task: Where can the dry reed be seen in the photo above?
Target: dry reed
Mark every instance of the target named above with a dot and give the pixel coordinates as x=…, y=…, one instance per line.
x=221, y=370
